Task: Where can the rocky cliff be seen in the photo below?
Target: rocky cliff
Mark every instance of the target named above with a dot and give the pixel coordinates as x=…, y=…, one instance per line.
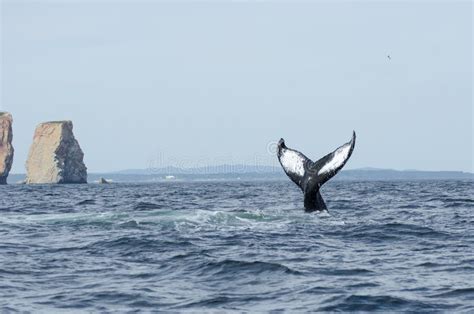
x=55, y=155
x=6, y=148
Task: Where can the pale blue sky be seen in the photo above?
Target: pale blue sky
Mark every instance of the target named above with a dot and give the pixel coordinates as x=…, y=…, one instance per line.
x=208, y=82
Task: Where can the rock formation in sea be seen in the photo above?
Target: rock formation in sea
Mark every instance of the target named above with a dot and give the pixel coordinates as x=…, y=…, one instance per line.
x=55, y=155
x=6, y=148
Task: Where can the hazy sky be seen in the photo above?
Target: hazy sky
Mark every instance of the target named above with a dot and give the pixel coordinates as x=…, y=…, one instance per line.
x=210, y=83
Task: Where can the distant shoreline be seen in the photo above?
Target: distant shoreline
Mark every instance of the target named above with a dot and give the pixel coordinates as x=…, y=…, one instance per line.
x=219, y=173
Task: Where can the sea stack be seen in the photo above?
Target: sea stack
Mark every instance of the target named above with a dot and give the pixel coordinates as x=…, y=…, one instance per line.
x=55, y=155
x=6, y=148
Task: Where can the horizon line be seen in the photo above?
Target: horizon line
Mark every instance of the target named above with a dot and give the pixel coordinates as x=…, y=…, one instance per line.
x=154, y=171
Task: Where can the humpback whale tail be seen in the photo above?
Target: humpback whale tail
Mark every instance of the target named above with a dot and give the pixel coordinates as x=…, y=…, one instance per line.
x=309, y=175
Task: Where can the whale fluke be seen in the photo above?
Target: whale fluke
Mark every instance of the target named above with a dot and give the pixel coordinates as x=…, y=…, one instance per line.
x=309, y=175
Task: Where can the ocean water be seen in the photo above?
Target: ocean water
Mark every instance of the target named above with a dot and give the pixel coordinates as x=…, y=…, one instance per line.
x=237, y=246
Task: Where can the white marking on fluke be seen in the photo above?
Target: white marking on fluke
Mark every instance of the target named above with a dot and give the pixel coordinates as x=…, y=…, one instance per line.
x=340, y=155
x=292, y=162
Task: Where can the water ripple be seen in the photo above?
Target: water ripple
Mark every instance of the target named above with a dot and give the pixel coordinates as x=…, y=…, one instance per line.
x=237, y=247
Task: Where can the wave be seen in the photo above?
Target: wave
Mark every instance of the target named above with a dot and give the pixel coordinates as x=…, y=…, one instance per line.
x=147, y=206
x=233, y=267
x=464, y=292
x=86, y=202
x=143, y=244
x=379, y=303
x=397, y=231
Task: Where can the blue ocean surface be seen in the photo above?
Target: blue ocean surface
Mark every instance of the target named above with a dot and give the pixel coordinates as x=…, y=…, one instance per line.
x=237, y=246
